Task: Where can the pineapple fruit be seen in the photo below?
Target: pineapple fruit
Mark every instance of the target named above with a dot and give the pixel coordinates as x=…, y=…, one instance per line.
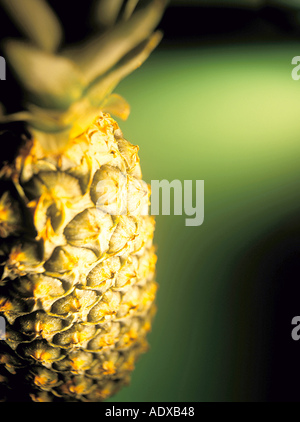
x=77, y=261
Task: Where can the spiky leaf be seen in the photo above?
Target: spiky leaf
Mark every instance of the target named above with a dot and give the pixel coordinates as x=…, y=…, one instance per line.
x=107, y=11
x=103, y=52
x=51, y=81
x=37, y=21
x=129, y=9
x=132, y=61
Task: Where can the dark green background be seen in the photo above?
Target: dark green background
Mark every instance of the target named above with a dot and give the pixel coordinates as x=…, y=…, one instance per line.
x=228, y=113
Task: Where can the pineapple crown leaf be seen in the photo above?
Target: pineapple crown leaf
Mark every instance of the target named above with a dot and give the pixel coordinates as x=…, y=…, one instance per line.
x=65, y=91
x=129, y=8
x=37, y=21
x=83, y=105
x=56, y=81
x=101, y=53
x=106, y=83
x=106, y=12
x=51, y=81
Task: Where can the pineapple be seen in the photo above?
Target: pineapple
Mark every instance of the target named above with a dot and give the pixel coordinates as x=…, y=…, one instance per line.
x=77, y=261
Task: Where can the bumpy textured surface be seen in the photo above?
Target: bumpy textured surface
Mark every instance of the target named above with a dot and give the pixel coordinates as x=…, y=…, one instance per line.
x=77, y=285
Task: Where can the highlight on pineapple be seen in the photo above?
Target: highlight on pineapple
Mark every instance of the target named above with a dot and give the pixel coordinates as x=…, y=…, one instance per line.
x=77, y=283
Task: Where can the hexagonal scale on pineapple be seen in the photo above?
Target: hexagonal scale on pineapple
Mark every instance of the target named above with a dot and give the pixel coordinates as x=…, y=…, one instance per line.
x=103, y=148
x=73, y=154
x=39, y=287
x=76, y=361
x=40, y=351
x=10, y=216
x=101, y=277
x=11, y=361
x=76, y=386
x=106, y=309
x=129, y=303
x=13, y=338
x=61, y=186
x=24, y=258
x=106, y=365
x=83, y=173
x=130, y=154
x=109, y=190
x=60, y=191
x=127, y=274
x=78, y=302
x=130, y=334
x=123, y=235
x=44, y=379
x=32, y=161
x=12, y=306
x=107, y=336
x=77, y=336
x=137, y=196
x=90, y=229
x=67, y=258
x=33, y=165
x=40, y=324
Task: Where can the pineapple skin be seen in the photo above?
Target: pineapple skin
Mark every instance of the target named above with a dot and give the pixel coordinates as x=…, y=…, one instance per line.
x=77, y=285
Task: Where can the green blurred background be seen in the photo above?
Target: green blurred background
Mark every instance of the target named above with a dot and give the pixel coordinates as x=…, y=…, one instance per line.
x=217, y=102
